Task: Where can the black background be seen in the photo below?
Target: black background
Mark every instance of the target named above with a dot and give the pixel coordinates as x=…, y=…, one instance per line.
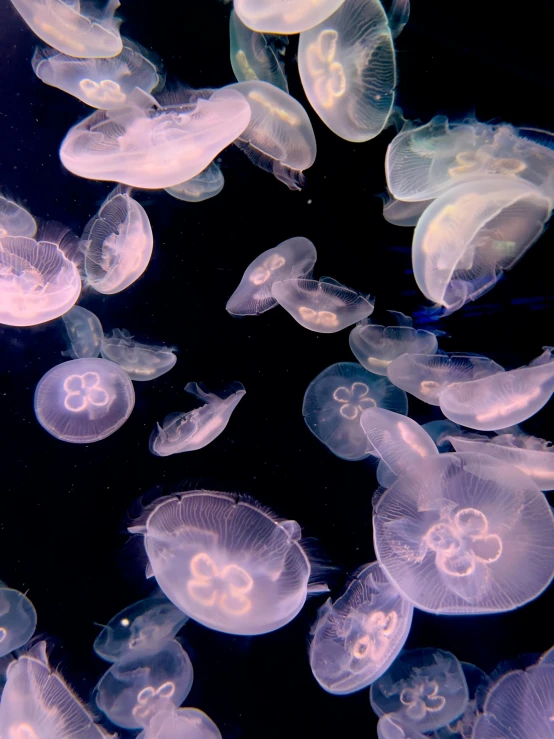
x=64, y=508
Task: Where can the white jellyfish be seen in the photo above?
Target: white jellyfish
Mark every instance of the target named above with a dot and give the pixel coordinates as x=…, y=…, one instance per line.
x=18, y=620
x=140, y=361
x=15, y=220
x=257, y=56
x=283, y=16
x=204, y=186
x=180, y=723
x=84, y=331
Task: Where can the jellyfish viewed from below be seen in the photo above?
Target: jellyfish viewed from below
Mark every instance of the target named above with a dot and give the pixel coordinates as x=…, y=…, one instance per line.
x=15, y=220
x=84, y=331
x=84, y=400
x=180, y=723
x=204, y=186
x=288, y=17
x=465, y=534
x=141, y=362
x=356, y=638
x=18, y=620
x=292, y=258
x=257, y=56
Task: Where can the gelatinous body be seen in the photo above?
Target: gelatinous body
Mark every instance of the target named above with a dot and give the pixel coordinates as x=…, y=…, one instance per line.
x=18, y=620
x=401, y=213
x=257, y=56
x=204, y=186
x=391, y=726
x=15, y=220
x=276, y=16
x=140, y=361
x=180, y=723
x=84, y=331
x=376, y=346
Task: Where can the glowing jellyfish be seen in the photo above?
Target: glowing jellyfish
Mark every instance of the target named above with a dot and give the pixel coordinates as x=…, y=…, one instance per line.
x=425, y=688
x=257, y=56
x=140, y=361
x=101, y=83
x=473, y=233
x=84, y=331
x=157, y=671
x=279, y=137
x=324, y=305
x=334, y=403
x=401, y=213
x=390, y=726
x=118, y=243
x=66, y=27
x=465, y=534
x=290, y=259
x=187, y=432
x=462, y=728
x=84, y=400
x=15, y=220
x=226, y=561
x=427, y=376
x=151, y=146
x=491, y=403
x=357, y=637
x=180, y=723
x=204, y=186
x=38, y=704
x=18, y=620
x=286, y=17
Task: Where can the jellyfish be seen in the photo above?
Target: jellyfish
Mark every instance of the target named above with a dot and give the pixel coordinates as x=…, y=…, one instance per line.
x=84, y=400
x=477, y=683
x=464, y=534
x=279, y=137
x=390, y=726
x=140, y=361
x=357, y=637
x=440, y=431
x=15, y=220
x=100, y=83
x=284, y=16
x=187, y=432
x=204, y=186
x=401, y=213
x=18, y=620
x=118, y=243
x=85, y=333
x=335, y=400
x=548, y=657
x=65, y=26
x=473, y=233
x=324, y=305
x=151, y=146
x=291, y=259
x=425, y=688
x=227, y=562
x=180, y=723
x=257, y=56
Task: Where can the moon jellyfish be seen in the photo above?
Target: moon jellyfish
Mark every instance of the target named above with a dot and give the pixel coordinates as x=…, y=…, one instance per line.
x=180, y=723
x=390, y=726
x=187, y=432
x=465, y=534
x=324, y=305
x=226, y=561
x=400, y=213
x=151, y=146
x=140, y=361
x=257, y=56
x=84, y=331
x=15, y=220
x=425, y=688
x=84, y=400
x=204, y=186
x=290, y=259
x=357, y=637
x=462, y=727
x=473, y=233
x=348, y=70
x=284, y=16
x=100, y=83
x=334, y=403
x=18, y=620
x=491, y=403
x=118, y=243
x=66, y=27
x=279, y=137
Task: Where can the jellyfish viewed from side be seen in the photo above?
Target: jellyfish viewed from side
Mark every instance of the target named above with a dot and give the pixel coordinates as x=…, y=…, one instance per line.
x=141, y=362
x=276, y=16
x=18, y=620
x=257, y=56
x=15, y=220
x=84, y=331
x=204, y=186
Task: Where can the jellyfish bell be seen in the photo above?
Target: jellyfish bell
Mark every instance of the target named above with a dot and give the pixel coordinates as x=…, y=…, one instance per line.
x=288, y=17
x=15, y=220
x=84, y=331
x=141, y=362
x=257, y=56
x=203, y=186
x=185, y=723
x=18, y=620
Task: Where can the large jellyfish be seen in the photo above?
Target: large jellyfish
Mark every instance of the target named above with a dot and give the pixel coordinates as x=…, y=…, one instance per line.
x=18, y=620
x=465, y=534
x=180, y=723
x=203, y=186
x=84, y=331
x=140, y=361
x=257, y=56
x=15, y=220
x=357, y=637
x=283, y=16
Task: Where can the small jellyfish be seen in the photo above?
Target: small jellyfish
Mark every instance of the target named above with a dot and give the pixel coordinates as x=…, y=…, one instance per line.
x=335, y=400
x=187, y=432
x=284, y=16
x=226, y=561
x=118, y=243
x=324, y=305
x=65, y=26
x=465, y=534
x=293, y=258
x=257, y=56
x=401, y=213
x=180, y=723
x=140, y=361
x=204, y=186
x=390, y=726
x=84, y=400
x=18, y=620
x=357, y=637
x=279, y=137
x=85, y=333
x=462, y=728
x=425, y=688
x=15, y=220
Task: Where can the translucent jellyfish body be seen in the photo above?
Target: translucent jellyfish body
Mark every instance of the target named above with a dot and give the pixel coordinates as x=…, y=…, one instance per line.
x=257, y=56
x=279, y=137
x=84, y=400
x=290, y=259
x=348, y=70
x=401, y=213
x=118, y=243
x=180, y=723
x=84, y=331
x=204, y=186
x=276, y=16
x=324, y=305
x=390, y=726
x=18, y=620
x=101, y=83
x=37, y=703
x=472, y=233
x=151, y=146
x=425, y=688
x=376, y=346
x=187, y=432
x=465, y=534
x=15, y=220
x=227, y=562
x=356, y=638
x=334, y=403
x=140, y=361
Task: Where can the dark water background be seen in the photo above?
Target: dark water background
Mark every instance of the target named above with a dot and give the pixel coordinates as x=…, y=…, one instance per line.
x=64, y=508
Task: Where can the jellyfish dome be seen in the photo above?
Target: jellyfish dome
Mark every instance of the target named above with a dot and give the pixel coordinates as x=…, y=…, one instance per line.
x=204, y=186
x=180, y=723
x=283, y=16
x=84, y=331
x=375, y=347
x=18, y=620
x=84, y=400
x=465, y=534
x=15, y=220
x=390, y=726
x=140, y=361
x=228, y=563
x=257, y=56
